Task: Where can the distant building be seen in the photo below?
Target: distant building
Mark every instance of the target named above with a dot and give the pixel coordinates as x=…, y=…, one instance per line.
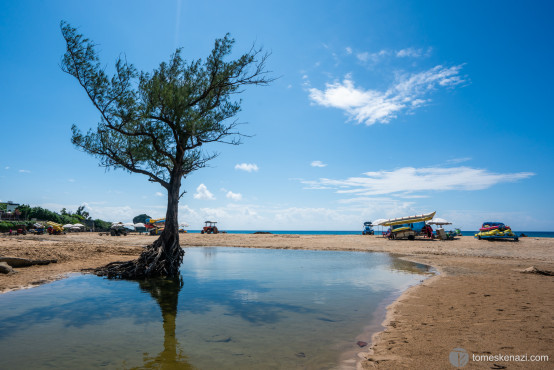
x=9, y=206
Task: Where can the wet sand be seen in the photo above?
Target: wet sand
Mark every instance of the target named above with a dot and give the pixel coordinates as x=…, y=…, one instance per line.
x=480, y=301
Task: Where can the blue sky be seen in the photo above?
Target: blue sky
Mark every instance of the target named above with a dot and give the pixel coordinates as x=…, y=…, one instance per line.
x=382, y=109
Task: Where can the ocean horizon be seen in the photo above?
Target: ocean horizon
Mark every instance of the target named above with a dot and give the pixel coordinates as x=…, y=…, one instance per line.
x=531, y=234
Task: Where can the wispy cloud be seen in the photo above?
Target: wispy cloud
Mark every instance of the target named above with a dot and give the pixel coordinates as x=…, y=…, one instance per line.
x=410, y=180
x=409, y=52
x=458, y=160
x=24, y=171
x=348, y=50
x=318, y=164
x=158, y=194
x=372, y=57
x=203, y=193
x=248, y=167
x=234, y=196
x=372, y=106
x=7, y=167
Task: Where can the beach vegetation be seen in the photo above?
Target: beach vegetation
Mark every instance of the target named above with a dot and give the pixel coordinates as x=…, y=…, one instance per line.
x=141, y=218
x=158, y=124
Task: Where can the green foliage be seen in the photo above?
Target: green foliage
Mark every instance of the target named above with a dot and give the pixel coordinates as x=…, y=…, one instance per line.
x=100, y=225
x=81, y=213
x=155, y=123
x=42, y=214
x=6, y=226
x=141, y=218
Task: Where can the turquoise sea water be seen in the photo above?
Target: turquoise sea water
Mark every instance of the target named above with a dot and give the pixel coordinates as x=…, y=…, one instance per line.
x=535, y=234
x=232, y=308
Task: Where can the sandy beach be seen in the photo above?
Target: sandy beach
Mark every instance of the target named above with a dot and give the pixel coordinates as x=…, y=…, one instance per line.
x=480, y=301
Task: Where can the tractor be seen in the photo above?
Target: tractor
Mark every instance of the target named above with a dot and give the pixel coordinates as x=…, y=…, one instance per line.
x=368, y=229
x=209, y=228
x=118, y=229
x=19, y=230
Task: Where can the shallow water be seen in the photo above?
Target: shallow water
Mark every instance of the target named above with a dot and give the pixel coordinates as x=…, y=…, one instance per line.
x=232, y=308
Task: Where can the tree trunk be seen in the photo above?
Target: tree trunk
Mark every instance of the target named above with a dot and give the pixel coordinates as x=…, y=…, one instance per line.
x=163, y=257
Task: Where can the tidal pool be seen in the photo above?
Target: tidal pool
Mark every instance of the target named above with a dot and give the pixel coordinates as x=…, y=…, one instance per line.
x=232, y=308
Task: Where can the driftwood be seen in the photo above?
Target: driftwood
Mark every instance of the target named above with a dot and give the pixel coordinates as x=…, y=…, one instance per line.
x=23, y=262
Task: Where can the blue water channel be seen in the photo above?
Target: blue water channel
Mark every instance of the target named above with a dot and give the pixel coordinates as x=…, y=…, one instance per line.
x=232, y=308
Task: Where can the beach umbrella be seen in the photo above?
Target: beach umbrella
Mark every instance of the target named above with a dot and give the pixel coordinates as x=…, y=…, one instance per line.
x=67, y=226
x=129, y=225
x=79, y=225
x=378, y=222
x=140, y=224
x=439, y=221
x=184, y=224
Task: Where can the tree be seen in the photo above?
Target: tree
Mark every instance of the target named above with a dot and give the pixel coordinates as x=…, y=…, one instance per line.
x=141, y=218
x=156, y=124
x=81, y=213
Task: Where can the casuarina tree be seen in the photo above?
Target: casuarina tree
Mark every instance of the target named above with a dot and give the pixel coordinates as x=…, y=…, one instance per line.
x=158, y=123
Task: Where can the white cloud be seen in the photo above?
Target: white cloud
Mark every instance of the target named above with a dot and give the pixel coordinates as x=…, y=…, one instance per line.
x=202, y=192
x=409, y=52
x=318, y=164
x=248, y=167
x=348, y=50
x=459, y=160
x=234, y=196
x=7, y=167
x=71, y=180
x=408, y=180
x=24, y=171
x=372, y=57
x=372, y=106
x=159, y=194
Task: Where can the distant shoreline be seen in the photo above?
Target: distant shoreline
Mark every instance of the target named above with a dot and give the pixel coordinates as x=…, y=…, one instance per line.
x=531, y=234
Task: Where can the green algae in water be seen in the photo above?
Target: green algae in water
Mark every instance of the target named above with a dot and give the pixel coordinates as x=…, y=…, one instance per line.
x=231, y=308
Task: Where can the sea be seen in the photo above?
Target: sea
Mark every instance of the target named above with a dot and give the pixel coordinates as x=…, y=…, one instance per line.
x=531, y=234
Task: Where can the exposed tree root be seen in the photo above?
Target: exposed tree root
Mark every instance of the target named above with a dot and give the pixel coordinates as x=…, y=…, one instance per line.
x=160, y=259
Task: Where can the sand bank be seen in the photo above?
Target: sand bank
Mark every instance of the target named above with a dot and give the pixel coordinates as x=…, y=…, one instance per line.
x=480, y=302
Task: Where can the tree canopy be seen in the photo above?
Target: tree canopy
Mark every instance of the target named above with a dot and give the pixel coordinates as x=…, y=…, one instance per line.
x=156, y=123
x=141, y=218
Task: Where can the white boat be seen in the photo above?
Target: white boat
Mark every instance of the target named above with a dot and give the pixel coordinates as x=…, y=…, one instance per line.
x=408, y=220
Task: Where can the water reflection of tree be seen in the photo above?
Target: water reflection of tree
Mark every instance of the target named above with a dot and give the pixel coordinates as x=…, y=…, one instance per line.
x=166, y=293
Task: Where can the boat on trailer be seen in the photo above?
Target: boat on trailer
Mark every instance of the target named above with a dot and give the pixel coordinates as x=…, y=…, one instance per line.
x=408, y=219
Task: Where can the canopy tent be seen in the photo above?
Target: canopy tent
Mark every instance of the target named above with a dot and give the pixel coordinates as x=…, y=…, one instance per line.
x=139, y=224
x=67, y=226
